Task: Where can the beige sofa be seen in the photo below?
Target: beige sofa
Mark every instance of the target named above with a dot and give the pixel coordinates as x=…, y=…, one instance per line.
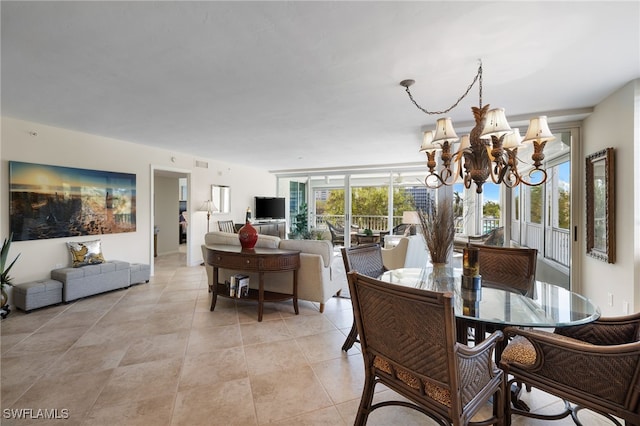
x=315, y=280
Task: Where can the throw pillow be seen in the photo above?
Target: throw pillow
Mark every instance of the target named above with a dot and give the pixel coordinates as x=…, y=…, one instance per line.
x=85, y=253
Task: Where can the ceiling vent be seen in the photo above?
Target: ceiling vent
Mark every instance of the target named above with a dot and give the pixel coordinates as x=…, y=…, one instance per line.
x=202, y=164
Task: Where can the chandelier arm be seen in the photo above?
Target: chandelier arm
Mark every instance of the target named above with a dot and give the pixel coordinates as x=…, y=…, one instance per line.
x=432, y=186
x=464, y=95
x=543, y=180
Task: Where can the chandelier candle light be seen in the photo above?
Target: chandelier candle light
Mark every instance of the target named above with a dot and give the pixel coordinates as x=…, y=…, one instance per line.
x=490, y=150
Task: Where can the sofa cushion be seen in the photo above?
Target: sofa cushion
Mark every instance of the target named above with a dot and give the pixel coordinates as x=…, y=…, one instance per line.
x=85, y=253
x=323, y=248
x=219, y=237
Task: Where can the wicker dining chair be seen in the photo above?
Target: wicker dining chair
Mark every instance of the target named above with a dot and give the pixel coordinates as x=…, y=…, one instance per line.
x=408, y=341
x=594, y=366
x=226, y=226
x=367, y=260
x=508, y=268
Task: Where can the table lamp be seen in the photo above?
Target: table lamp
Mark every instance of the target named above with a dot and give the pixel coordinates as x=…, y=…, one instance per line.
x=411, y=218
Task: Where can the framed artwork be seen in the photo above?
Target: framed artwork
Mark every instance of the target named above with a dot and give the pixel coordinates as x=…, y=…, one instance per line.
x=601, y=204
x=54, y=202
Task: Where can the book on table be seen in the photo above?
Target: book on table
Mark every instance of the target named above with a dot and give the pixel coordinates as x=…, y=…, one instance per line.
x=239, y=286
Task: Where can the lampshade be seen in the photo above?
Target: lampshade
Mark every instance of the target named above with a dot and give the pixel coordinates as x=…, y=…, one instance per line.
x=465, y=143
x=512, y=140
x=208, y=207
x=410, y=217
x=427, y=142
x=539, y=130
x=495, y=124
x=444, y=131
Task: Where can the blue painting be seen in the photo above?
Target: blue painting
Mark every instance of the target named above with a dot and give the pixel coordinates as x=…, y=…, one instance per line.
x=54, y=202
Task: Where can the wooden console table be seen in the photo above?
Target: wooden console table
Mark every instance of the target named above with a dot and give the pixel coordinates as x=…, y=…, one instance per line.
x=260, y=260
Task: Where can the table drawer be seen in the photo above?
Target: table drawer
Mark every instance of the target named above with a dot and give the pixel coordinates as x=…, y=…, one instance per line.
x=230, y=261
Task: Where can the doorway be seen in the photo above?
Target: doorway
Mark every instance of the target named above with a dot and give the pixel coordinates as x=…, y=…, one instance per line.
x=170, y=214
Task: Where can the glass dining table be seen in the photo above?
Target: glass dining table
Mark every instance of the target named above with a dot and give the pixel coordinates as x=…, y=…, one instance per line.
x=551, y=306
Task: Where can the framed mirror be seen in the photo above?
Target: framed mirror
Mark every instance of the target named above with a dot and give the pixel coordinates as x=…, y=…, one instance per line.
x=600, y=198
x=221, y=197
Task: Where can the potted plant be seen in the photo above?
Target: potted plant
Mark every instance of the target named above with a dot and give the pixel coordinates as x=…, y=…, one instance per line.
x=438, y=230
x=5, y=279
x=301, y=230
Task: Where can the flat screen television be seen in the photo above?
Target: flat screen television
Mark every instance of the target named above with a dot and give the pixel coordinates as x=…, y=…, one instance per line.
x=269, y=208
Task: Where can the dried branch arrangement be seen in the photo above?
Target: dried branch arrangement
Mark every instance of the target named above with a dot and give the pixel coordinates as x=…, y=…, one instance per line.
x=438, y=230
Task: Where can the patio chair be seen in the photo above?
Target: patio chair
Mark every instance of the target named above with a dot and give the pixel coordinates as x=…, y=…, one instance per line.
x=226, y=226
x=594, y=366
x=408, y=341
x=367, y=260
x=337, y=234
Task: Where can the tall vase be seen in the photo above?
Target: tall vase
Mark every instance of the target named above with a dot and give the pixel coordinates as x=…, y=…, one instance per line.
x=441, y=277
x=248, y=236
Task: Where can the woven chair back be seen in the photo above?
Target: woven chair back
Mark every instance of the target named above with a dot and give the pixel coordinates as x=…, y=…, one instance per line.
x=226, y=226
x=411, y=330
x=365, y=259
x=513, y=269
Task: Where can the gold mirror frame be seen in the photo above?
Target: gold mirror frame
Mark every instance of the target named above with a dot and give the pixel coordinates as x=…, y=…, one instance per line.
x=600, y=198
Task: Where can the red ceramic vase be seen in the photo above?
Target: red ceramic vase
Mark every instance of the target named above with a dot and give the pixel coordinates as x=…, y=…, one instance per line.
x=248, y=236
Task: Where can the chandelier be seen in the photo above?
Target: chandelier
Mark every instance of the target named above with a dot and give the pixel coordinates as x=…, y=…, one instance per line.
x=490, y=150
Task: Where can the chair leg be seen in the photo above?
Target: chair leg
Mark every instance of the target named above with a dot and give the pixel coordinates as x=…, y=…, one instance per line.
x=322, y=308
x=365, y=401
x=351, y=338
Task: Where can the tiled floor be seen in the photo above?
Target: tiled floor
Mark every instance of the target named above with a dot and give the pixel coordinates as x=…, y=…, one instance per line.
x=154, y=355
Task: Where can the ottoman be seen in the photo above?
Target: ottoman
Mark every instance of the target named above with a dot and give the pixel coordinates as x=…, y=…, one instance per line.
x=139, y=273
x=37, y=294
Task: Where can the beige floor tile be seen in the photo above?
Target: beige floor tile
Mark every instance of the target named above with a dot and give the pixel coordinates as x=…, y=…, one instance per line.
x=343, y=377
x=306, y=325
x=178, y=296
x=49, y=340
x=213, y=339
x=323, y=417
x=138, y=382
x=112, y=333
x=274, y=356
x=122, y=313
x=213, y=367
x=7, y=341
x=74, y=392
x=227, y=403
x=248, y=312
x=215, y=319
x=265, y=331
x=19, y=322
x=154, y=411
x=83, y=359
x=156, y=347
x=302, y=394
x=322, y=346
x=167, y=323
x=73, y=319
x=341, y=319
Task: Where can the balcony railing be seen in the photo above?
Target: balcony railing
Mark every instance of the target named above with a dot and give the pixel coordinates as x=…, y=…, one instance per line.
x=379, y=223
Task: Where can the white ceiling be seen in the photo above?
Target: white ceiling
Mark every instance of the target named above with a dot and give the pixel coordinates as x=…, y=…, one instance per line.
x=295, y=85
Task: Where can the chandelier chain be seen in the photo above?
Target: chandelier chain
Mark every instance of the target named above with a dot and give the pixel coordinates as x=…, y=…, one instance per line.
x=464, y=95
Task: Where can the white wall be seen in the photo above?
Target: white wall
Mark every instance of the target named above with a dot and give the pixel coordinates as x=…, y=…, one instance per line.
x=61, y=147
x=614, y=123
